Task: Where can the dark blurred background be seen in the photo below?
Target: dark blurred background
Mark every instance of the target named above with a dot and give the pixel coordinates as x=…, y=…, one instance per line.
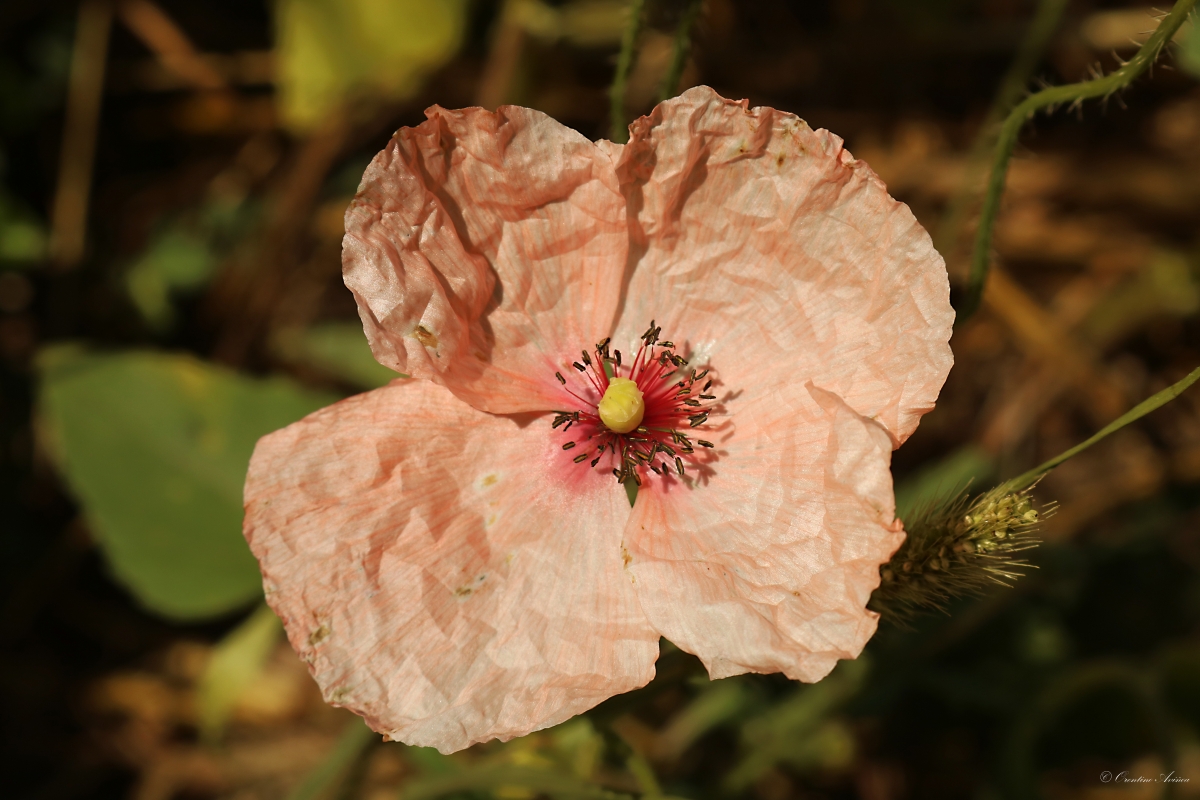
x=172, y=182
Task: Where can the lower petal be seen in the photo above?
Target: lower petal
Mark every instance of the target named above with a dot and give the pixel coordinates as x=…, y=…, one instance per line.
x=767, y=562
x=441, y=571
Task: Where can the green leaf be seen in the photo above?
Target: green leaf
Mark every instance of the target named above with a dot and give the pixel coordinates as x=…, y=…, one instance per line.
x=1188, y=54
x=491, y=778
x=800, y=729
x=178, y=259
x=155, y=446
x=22, y=238
x=943, y=479
x=326, y=777
x=235, y=662
x=330, y=49
x=340, y=350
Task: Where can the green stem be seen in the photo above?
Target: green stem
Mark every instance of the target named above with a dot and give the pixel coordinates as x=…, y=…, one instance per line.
x=1044, y=24
x=490, y=778
x=1137, y=412
x=683, y=46
x=1057, y=95
x=619, y=131
x=348, y=751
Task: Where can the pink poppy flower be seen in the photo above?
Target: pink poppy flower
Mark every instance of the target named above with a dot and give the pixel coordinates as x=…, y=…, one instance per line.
x=452, y=554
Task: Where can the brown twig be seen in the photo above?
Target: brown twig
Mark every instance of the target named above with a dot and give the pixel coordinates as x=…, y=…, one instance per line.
x=84, y=93
x=170, y=44
x=508, y=42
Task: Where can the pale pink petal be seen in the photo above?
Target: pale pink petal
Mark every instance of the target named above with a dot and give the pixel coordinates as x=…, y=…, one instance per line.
x=775, y=257
x=764, y=560
x=485, y=250
x=450, y=575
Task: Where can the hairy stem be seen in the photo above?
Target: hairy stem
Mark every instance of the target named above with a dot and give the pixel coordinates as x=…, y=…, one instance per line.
x=1074, y=94
x=683, y=46
x=619, y=130
x=1044, y=24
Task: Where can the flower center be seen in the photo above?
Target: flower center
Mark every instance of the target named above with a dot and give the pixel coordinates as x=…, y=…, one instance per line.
x=633, y=417
x=622, y=407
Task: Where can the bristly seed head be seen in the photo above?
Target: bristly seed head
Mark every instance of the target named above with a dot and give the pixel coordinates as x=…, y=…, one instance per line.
x=636, y=411
x=956, y=546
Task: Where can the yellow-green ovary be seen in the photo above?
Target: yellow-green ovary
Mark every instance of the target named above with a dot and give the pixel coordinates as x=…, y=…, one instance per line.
x=622, y=407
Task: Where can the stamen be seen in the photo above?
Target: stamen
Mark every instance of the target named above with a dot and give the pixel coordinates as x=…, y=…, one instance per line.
x=636, y=411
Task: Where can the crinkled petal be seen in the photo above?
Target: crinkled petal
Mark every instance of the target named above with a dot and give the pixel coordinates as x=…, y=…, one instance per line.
x=769, y=252
x=439, y=573
x=485, y=250
x=764, y=560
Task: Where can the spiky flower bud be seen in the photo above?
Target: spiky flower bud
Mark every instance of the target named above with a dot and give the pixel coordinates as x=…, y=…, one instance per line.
x=956, y=546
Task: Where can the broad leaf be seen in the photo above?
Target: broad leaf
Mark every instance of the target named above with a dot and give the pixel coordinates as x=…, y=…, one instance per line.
x=156, y=446
x=329, y=50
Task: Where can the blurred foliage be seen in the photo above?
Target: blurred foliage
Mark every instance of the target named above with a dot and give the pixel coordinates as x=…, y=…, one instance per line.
x=337, y=349
x=216, y=226
x=1189, y=48
x=182, y=256
x=156, y=447
x=22, y=237
x=331, y=50
x=232, y=667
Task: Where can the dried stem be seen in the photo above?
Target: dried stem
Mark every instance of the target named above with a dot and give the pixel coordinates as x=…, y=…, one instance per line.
x=84, y=93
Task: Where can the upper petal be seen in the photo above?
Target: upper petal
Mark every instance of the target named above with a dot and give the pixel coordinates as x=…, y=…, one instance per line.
x=484, y=250
x=776, y=256
x=766, y=563
x=442, y=571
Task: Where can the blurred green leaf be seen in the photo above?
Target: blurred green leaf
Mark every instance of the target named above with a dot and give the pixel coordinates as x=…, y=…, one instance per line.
x=800, y=730
x=717, y=704
x=338, y=349
x=490, y=778
x=1166, y=288
x=177, y=259
x=22, y=237
x=953, y=473
x=328, y=50
x=1188, y=52
x=156, y=447
x=235, y=662
x=328, y=776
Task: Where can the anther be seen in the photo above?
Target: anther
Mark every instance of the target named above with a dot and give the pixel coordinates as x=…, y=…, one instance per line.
x=679, y=465
x=586, y=358
x=581, y=457
x=568, y=445
x=703, y=443
x=578, y=366
x=561, y=379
